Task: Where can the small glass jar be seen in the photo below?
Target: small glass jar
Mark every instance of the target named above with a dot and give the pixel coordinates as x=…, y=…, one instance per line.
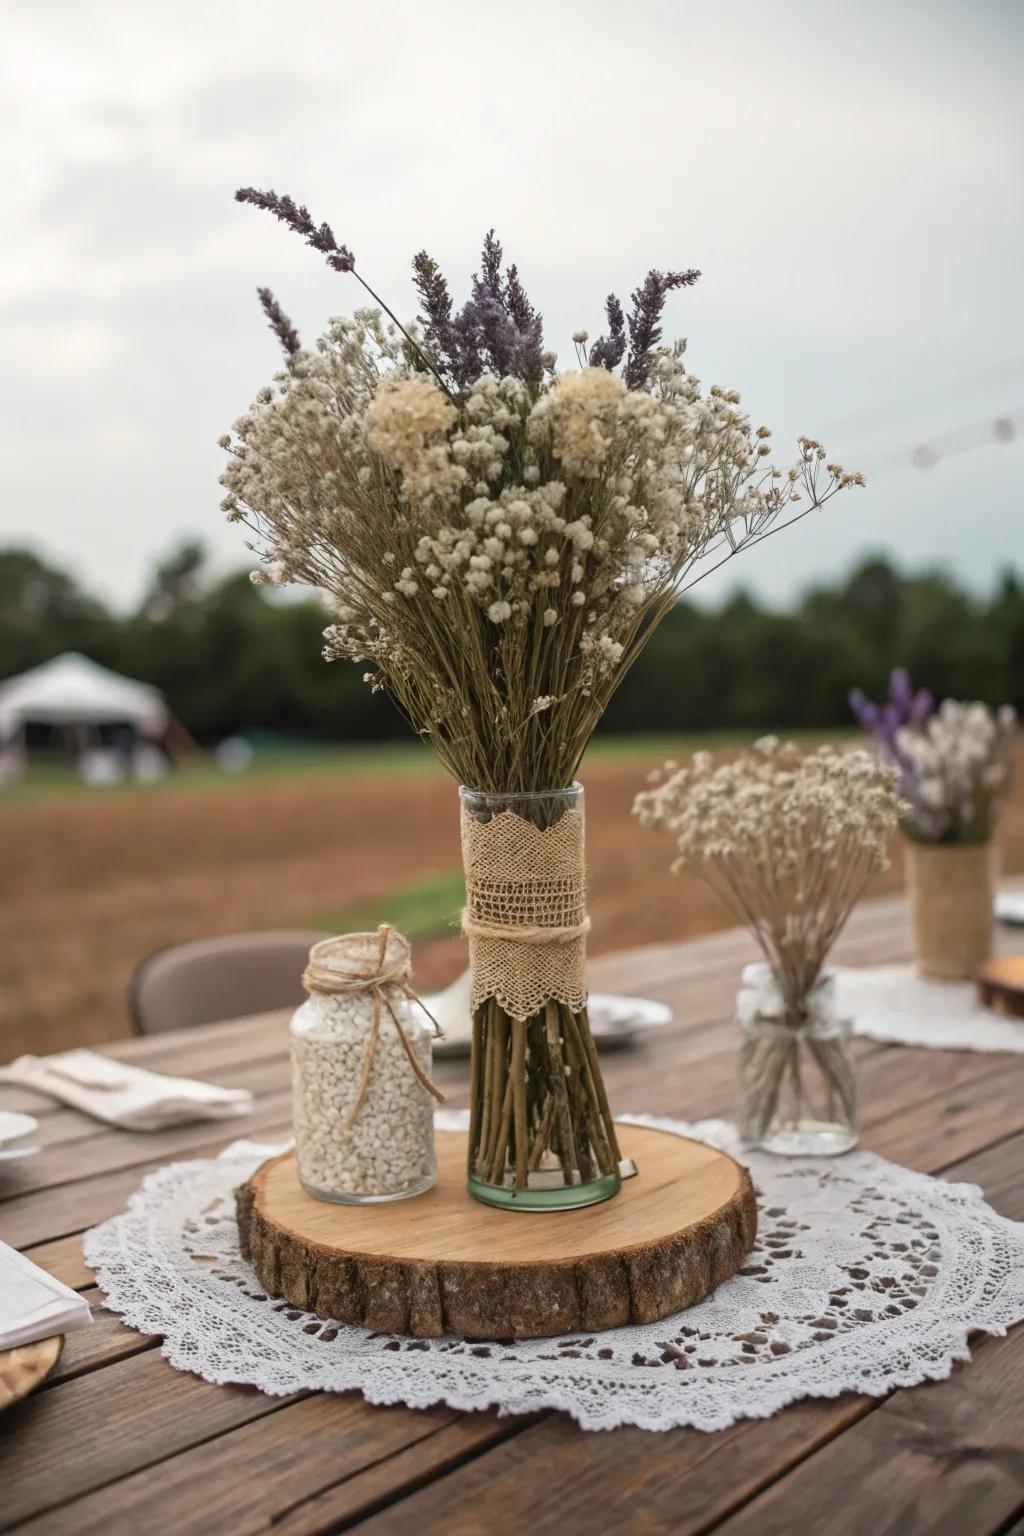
x=798, y=1094
x=364, y=1120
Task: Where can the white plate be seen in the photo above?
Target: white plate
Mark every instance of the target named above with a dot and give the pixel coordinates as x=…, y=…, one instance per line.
x=615, y=1021
x=13, y=1126
x=1009, y=908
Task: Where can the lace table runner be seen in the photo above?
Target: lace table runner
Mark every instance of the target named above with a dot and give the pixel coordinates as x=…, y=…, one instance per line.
x=893, y=1003
x=865, y=1277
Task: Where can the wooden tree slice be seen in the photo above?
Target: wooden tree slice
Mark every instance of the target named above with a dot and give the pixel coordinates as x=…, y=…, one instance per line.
x=442, y=1263
x=23, y=1369
x=1001, y=985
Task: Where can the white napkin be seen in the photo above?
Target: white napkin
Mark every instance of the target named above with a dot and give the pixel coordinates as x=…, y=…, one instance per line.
x=33, y=1305
x=124, y=1095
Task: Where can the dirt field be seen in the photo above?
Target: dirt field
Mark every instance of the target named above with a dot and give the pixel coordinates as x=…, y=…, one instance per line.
x=92, y=884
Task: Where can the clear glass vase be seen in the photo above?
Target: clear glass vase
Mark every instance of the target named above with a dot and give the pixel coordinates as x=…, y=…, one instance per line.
x=541, y=1135
x=798, y=1094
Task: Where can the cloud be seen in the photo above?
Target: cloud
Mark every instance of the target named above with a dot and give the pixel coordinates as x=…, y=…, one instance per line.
x=842, y=175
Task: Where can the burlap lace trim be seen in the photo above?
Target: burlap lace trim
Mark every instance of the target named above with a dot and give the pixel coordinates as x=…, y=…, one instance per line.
x=525, y=914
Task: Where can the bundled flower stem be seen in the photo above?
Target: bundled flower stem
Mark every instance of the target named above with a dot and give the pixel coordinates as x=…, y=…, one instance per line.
x=788, y=842
x=498, y=542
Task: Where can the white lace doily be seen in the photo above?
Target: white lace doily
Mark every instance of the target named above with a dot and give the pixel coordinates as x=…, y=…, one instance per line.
x=893, y=1003
x=865, y=1277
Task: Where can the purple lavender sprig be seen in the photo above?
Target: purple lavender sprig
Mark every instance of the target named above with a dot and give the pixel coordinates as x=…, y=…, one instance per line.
x=298, y=218
x=904, y=709
x=321, y=238
x=497, y=328
x=608, y=351
x=645, y=321
x=279, y=323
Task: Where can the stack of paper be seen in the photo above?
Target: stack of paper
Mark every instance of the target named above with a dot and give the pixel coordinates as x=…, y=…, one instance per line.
x=33, y=1305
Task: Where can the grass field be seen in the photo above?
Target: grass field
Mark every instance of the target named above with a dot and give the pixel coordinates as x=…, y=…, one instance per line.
x=96, y=879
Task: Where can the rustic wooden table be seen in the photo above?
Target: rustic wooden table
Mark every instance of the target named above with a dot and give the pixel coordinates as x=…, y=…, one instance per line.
x=117, y=1441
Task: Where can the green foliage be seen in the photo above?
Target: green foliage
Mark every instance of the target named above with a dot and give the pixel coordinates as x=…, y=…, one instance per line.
x=234, y=657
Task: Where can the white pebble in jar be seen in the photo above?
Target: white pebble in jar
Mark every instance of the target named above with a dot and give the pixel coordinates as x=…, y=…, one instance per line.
x=361, y=1141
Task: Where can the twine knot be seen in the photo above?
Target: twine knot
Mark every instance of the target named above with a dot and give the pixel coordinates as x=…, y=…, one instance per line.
x=375, y=965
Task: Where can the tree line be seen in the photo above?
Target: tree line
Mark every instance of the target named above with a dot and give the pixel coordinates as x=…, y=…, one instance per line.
x=233, y=657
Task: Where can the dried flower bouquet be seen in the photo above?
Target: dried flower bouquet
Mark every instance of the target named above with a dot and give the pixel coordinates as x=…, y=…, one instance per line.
x=497, y=541
x=954, y=761
x=955, y=767
x=788, y=841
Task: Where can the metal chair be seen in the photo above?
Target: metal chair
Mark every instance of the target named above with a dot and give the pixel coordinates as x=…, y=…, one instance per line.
x=219, y=978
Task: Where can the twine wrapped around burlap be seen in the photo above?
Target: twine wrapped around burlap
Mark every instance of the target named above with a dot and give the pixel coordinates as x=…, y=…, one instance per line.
x=951, y=887
x=525, y=915
x=378, y=965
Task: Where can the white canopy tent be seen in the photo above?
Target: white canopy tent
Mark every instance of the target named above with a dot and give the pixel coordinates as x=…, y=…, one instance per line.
x=71, y=690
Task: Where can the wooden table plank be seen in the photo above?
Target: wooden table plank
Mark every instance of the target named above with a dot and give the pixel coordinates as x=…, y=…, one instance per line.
x=943, y=1458
x=291, y=1470
x=104, y=1341
x=99, y=1427
x=71, y=1207
x=108, y=1148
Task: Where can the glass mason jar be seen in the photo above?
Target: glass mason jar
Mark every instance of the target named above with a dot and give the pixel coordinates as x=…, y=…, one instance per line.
x=541, y=1135
x=364, y=1122
x=797, y=1090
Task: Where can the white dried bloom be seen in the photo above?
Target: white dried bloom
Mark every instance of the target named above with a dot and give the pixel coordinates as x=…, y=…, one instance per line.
x=524, y=530
x=580, y=411
x=788, y=840
x=957, y=770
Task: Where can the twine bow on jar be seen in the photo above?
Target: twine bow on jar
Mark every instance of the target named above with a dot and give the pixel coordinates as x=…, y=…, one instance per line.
x=373, y=964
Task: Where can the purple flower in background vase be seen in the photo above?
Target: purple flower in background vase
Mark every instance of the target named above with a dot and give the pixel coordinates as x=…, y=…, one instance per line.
x=904, y=709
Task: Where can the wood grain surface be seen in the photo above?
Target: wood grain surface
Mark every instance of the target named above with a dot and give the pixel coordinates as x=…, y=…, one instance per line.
x=442, y=1263
x=116, y=1441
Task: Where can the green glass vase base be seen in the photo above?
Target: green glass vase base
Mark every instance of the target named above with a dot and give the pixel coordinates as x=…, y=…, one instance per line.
x=570, y=1197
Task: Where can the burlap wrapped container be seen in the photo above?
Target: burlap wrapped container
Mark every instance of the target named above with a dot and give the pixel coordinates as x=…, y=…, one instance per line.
x=525, y=916
x=951, y=888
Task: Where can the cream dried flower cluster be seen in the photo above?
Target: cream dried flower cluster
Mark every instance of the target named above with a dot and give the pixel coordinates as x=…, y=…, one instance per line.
x=787, y=839
x=958, y=763
x=501, y=557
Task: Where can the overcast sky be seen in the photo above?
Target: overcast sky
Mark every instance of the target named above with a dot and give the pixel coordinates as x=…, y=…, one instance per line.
x=846, y=175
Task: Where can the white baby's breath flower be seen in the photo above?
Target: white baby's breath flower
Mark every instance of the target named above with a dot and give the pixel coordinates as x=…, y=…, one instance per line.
x=571, y=498
x=788, y=840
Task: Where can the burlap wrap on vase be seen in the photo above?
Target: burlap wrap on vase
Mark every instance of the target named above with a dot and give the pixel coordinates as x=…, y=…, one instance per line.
x=951, y=890
x=525, y=915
